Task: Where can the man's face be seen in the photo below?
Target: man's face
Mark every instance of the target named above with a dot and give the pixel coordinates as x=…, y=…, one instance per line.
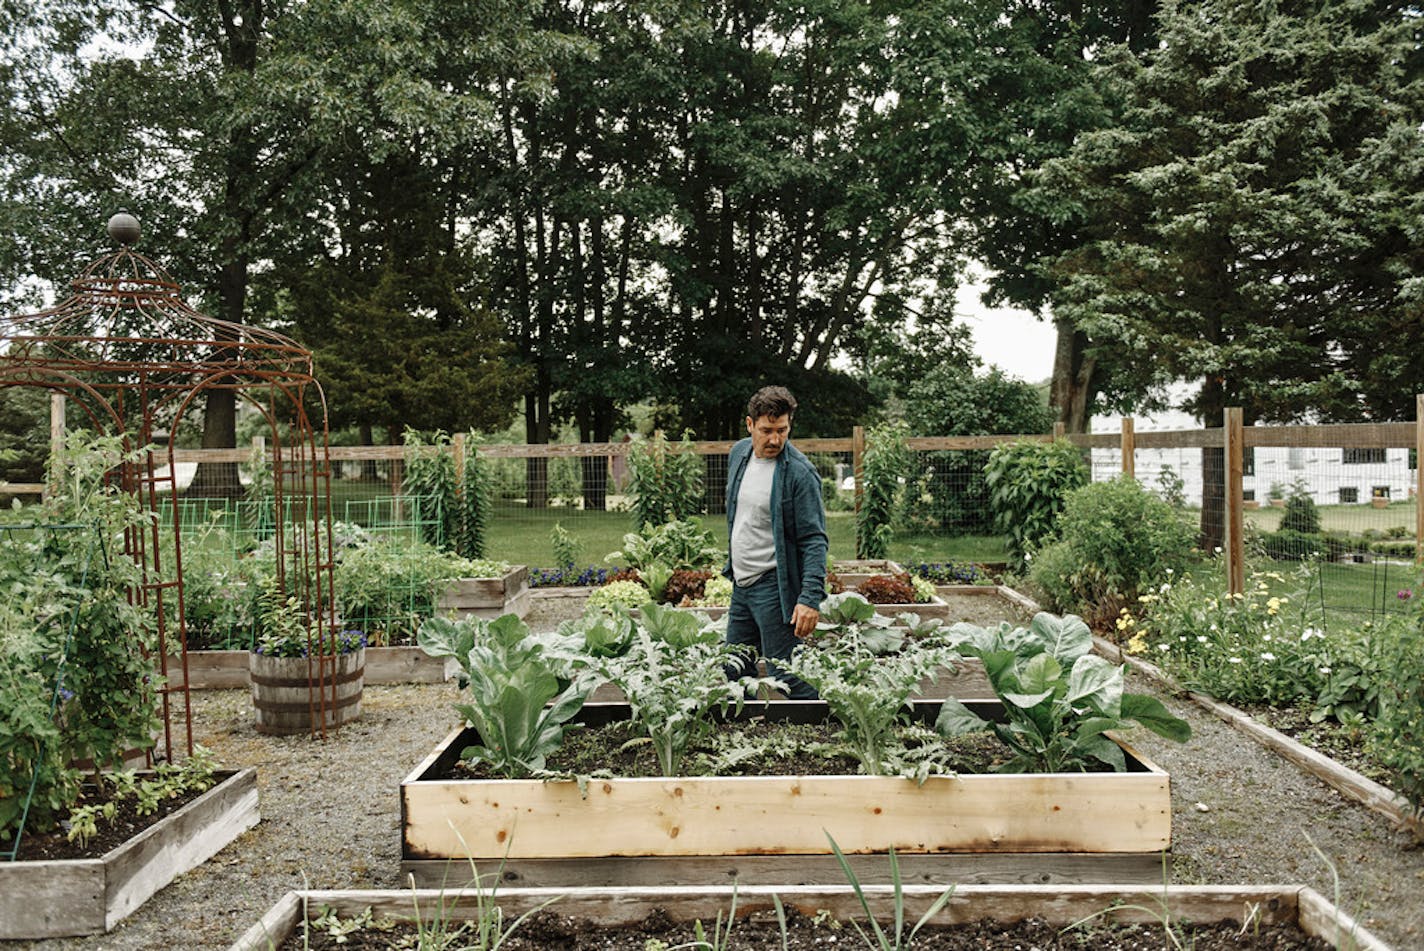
x=769, y=435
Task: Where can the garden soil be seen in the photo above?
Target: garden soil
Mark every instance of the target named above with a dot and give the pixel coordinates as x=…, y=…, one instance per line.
x=331, y=819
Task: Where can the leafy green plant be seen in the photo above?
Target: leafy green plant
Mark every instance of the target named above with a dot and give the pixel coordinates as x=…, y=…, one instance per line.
x=1396, y=735
x=886, y=464
x=1028, y=483
x=387, y=588
x=1059, y=698
x=1115, y=540
x=673, y=687
x=665, y=485
x=896, y=939
x=566, y=547
x=716, y=593
x=1301, y=514
x=430, y=477
x=620, y=594
x=676, y=545
x=517, y=703
x=169, y=781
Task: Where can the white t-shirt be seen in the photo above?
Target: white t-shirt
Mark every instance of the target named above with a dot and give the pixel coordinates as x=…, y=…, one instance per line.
x=753, y=546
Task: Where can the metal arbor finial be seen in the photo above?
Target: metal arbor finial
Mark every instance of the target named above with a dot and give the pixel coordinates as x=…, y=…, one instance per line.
x=123, y=228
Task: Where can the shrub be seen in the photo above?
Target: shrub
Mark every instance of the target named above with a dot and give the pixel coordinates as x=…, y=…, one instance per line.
x=665, y=486
x=389, y=587
x=1028, y=482
x=1300, y=514
x=1115, y=540
x=1291, y=545
x=1396, y=736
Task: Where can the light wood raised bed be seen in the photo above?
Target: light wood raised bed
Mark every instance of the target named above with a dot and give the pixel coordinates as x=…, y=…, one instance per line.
x=772, y=828
x=487, y=597
x=50, y=899
x=1059, y=905
x=227, y=670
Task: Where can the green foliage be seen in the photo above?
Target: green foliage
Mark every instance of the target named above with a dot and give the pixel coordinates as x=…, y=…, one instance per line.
x=1396, y=735
x=75, y=678
x=169, y=781
x=886, y=464
x=673, y=687
x=1115, y=539
x=665, y=485
x=1172, y=487
x=1300, y=514
x=1028, y=484
x=620, y=594
x=1268, y=645
x=949, y=491
x=461, y=508
x=389, y=586
x=677, y=546
x=1059, y=698
x=515, y=698
x=566, y=547
x=865, y=675
x=897, y=939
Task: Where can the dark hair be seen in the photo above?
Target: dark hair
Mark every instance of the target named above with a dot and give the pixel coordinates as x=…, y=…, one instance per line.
x=771, y=401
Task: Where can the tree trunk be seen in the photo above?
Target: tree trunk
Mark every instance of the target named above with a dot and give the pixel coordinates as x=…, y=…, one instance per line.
x=1072, y=388
x=368, y=466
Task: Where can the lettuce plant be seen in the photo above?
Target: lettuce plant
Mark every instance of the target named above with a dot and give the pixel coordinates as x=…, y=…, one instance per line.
x=1059, y=699
x=517, y=701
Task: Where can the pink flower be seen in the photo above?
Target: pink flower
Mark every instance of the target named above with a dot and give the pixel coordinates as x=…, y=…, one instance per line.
x=1405, y=595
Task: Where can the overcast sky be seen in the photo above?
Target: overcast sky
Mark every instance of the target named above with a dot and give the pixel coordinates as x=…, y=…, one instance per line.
x=1011, y=339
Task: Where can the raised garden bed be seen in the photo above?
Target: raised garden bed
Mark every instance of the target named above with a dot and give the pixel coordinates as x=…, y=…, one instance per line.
x=50, y=899
x=1070, y=825
x=1264, y=906
x=227, y=670
x=487, y=597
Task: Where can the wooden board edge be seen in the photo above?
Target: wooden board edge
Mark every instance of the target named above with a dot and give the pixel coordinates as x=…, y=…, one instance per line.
x=1022, y=600
x=1322, y=919
x=1060, y=905
x=62, y=898
x=275, y=926
x=147, y=863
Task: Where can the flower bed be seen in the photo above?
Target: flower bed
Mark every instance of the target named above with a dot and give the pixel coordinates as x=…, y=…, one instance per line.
x=48, y=899
x=1266, y=907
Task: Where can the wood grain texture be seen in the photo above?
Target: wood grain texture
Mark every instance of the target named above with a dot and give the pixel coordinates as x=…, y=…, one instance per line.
x=88, y=896
x=1093, y=812
x=1059, y=905
x=1322, y=919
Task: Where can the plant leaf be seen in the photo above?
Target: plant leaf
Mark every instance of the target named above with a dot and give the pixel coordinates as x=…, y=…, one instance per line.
x=955, y=719
x=1151, y=713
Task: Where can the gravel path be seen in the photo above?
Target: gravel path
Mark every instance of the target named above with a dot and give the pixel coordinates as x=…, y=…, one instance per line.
x=331, y=819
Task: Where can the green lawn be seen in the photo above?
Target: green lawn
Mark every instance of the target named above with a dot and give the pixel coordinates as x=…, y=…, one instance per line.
x=1348, y=519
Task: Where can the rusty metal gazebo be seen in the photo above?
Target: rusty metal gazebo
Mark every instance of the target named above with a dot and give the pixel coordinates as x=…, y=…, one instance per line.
x=128, y=349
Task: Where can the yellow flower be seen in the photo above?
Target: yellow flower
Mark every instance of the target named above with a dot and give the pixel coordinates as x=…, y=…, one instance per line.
x=1136, y=644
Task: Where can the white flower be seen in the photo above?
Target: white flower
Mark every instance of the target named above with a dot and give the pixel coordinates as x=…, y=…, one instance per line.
x=1310, y=632
x=1201, y=638
x=1165, y=588
x=1267, y=655
x=1234, y=660
x=1266, y=637
x=1324, y=671
x=1163, y=647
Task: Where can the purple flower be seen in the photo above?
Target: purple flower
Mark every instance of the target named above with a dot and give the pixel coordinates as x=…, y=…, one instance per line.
x=1405, y=594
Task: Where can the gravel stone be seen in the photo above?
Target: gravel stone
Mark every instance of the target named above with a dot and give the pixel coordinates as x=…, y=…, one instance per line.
x=331, y=817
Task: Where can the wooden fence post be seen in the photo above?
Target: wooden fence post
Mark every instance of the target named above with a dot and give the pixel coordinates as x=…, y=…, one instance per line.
x=1060, y=429
x=1129, y=448
x=457, y=446
x=857, y=464
x=1419, y=478
x=56, y=434
x=1235, y=517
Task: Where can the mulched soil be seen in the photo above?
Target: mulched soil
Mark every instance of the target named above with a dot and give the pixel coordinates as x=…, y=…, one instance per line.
x=126, y=824
x=755, y=748
x=1344, y=744
x=547, y=930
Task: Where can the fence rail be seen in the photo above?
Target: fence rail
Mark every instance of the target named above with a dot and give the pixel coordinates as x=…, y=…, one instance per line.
x=1363, y=474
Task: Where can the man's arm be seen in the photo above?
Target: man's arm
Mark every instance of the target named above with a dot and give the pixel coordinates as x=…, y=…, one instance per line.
x=812, y=543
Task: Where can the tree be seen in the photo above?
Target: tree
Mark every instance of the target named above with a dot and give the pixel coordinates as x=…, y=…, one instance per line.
x=1228, y=218
x=950, y=401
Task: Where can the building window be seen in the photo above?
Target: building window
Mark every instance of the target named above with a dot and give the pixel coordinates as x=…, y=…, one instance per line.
x=1248, y=461
x=1361, y=457
x=1349, y=494
x=1295, y=458
x=1379, y=492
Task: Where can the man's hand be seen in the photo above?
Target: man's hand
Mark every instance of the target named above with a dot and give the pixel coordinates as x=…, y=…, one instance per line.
x=803, y=620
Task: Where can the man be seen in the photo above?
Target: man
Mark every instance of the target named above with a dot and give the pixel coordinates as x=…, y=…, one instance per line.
x=777, y=531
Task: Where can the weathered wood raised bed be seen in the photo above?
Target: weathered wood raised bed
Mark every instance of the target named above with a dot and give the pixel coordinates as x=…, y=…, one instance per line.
x=50, y=899
x=487, y=597
x=227, y=670
x=1079, y=826
x=1059, y=905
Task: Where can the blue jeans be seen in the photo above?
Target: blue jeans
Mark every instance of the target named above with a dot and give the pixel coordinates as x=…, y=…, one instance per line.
x=754, y=619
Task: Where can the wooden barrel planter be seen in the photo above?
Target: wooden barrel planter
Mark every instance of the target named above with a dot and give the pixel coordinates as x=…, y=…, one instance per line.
x=288, y=698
